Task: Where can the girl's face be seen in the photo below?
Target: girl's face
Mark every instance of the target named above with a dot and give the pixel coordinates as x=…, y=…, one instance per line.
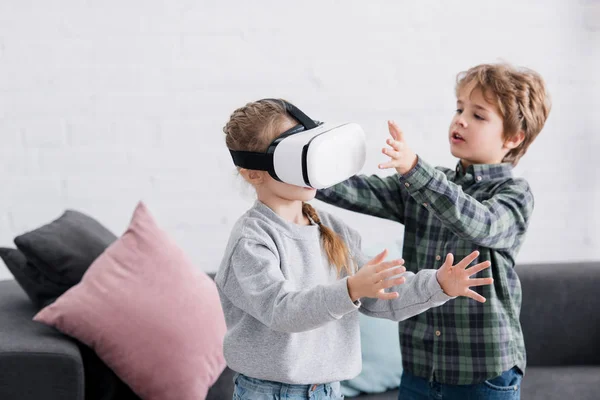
x=267, y=187
x=285, y=191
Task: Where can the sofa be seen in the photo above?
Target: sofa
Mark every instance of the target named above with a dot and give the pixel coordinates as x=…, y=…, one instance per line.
x=560, y=318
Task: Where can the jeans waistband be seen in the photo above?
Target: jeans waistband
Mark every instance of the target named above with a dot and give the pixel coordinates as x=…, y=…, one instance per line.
x=271, y=387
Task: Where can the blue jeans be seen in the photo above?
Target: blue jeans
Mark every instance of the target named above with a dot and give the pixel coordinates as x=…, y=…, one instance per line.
x=504, y=387
x=247, y=388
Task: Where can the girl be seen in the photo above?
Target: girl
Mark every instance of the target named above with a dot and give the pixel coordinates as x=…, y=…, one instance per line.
x=292, y=280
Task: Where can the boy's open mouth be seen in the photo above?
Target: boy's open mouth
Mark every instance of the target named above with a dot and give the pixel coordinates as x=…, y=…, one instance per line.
x=456, y=137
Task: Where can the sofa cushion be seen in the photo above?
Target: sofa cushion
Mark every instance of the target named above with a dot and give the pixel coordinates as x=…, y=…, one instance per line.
x=38, y=288
x=560, y=383
x=153, y=317
x=63, y=249
x=389, y=395
x=50, y=260
x=36, y=361
x=223, y=387
x=100, y=382
x=381, y=358
x=560, y=312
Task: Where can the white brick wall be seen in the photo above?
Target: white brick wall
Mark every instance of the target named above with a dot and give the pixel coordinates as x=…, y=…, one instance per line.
x=106, y=103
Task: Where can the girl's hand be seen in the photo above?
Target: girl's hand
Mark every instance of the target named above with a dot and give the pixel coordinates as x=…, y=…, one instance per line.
x=402, y=157
x=374, y=277
x=455, y=280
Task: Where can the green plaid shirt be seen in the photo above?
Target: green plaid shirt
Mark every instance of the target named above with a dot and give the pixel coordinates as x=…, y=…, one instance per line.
x=455, y=211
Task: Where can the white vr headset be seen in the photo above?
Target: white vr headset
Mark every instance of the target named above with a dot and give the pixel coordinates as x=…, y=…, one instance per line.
x=311, y=154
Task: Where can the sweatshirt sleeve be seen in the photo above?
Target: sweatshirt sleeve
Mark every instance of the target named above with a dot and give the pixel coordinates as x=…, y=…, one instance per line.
x=253, y=282
x=418, y=293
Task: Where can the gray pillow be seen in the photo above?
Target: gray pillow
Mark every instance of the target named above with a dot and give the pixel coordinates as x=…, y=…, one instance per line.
x=63, y=249
x=40, y=290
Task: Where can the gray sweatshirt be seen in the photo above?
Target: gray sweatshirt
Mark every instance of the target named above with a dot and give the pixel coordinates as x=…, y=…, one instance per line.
x=289, y=317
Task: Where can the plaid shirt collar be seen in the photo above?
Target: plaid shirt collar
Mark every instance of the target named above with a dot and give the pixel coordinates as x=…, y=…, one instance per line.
x=484, y=171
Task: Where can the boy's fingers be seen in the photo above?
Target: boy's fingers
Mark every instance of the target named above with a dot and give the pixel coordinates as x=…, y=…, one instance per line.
x=395, y=131
x=394, y=144
x=481, y=281
x=475, y=296
x=390, y=153
x=478, y=267
x=391, y=164
x=392, y=130
x=467, y=260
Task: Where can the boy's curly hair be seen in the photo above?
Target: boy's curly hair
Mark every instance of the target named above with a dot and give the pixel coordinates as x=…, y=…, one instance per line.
x=520, y=95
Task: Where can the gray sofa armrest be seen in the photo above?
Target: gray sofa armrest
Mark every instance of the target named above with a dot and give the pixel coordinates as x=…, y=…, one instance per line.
x=36, y=361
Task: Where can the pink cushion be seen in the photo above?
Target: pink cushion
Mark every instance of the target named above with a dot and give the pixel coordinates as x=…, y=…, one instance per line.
x=154, y=318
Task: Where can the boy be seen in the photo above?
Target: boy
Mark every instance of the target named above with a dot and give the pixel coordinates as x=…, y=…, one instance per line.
x=463, y=349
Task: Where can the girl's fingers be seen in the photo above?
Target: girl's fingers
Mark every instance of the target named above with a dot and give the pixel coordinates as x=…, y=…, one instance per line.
x=388, y=273
x=467, y=260
x=387, y=296
x=378, y=258
x=449, y=260
x=480, y=281
x=475, y=296
x=478, y=267
x=390, y=283
x=387, y=265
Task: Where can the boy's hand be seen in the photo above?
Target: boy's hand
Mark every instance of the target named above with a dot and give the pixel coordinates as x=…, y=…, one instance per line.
x=403, y=158
x=455, y=280
x=373, y=278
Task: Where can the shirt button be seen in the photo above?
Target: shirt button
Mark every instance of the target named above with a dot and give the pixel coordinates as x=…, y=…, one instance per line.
x=479, y=178
x=438, y=257
x=438, y=333
x=406, y=184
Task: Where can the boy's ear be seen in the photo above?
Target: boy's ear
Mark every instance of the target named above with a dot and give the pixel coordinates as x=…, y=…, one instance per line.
x=514, y=141
x=253, y=177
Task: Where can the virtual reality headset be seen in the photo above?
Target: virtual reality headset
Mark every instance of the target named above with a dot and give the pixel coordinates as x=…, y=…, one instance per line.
x=311, y=154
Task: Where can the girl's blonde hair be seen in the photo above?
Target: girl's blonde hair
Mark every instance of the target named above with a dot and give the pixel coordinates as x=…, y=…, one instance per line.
x=252, y=128
x=520, y=95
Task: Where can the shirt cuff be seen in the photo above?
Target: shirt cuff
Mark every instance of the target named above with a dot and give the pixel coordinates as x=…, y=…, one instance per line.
x=435, y=290
x=418, y=177
x=338, y=301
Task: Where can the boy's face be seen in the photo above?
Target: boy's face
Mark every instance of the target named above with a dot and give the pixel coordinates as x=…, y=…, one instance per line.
x=476, y=133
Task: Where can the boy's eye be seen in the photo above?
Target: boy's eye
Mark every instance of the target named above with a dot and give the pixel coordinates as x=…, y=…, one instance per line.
x=459, y=111
x=478, y=117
